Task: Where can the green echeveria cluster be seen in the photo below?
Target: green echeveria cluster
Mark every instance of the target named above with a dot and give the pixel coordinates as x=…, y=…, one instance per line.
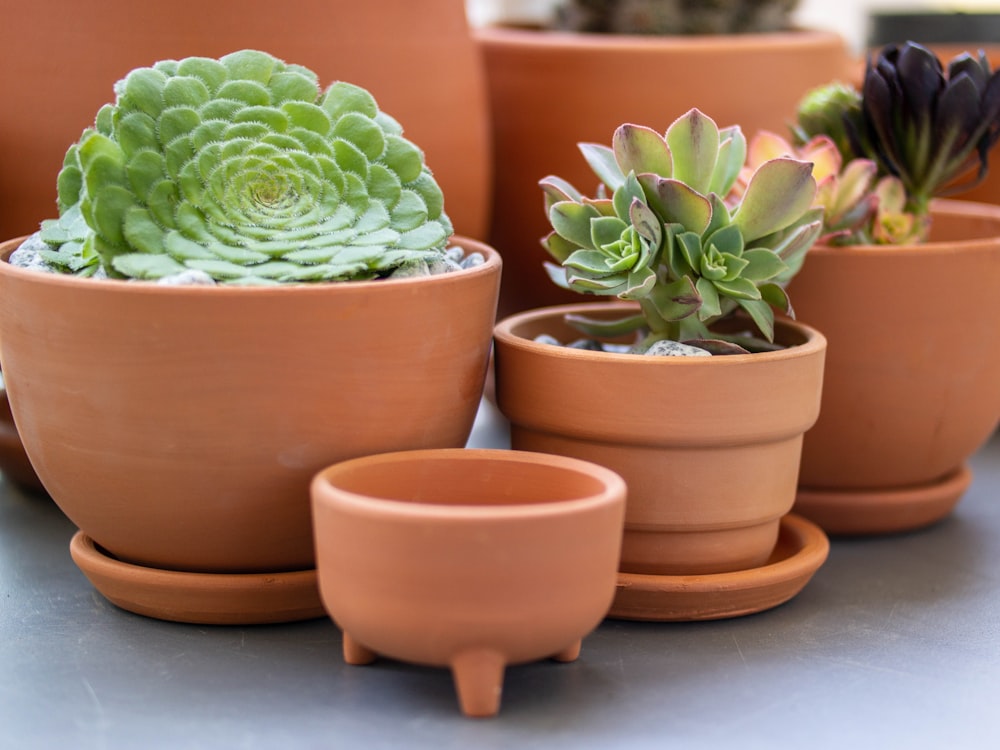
x=242, y=168
x=675, y=236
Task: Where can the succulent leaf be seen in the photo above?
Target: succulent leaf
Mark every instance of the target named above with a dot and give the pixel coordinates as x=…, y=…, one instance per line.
x=571, y=220
x=640, y=149
x=694, y=145
x=762, y=315
x=243, y=168
x=732, y=156
x=677, y=203
x=602, y=328
x=602, y=160
x=676, y=300
x=779, y=192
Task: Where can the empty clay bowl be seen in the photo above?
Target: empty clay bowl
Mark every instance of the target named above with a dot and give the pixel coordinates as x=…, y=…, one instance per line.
x=467, y=559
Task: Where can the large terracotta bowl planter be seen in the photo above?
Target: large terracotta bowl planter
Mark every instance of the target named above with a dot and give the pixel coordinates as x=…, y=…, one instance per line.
x=179, y=427
x=709, y=447
x=550, y=90
x=417, y=59
x=468, y=559
x=912, y=384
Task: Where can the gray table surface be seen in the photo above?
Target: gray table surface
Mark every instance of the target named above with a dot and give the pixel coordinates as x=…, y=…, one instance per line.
x=895, y=643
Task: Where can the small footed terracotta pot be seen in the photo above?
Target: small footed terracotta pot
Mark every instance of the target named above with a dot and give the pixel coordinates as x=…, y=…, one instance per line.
x=468, y=559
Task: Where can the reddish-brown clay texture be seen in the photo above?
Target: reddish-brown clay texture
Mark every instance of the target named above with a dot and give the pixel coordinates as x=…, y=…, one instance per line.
x=801, y=550
x=202, y=598
x=550, y=90
x=709, y=447
x=470, y=559
x=429, y=76
x=179, y=427
x=912, y=374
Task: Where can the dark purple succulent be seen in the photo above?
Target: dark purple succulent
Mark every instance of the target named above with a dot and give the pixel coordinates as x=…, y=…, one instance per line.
x=931, y=126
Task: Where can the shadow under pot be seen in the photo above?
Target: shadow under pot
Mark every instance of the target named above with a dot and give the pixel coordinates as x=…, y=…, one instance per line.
x=14, y=462
x=467, y=559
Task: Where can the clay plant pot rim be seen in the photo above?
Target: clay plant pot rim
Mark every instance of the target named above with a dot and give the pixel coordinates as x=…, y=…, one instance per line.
x=412, y=511
x=361, y=288
x=795, y=38
x=987, y=242
x=504, y=330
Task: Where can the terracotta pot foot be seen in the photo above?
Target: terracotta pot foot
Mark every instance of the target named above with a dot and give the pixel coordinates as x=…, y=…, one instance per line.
x=570, y=653
x=478, y=675
x=355, y=653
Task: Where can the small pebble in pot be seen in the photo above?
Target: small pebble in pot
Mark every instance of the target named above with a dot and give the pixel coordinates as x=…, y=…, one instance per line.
x=544, y=338
x=665, y=348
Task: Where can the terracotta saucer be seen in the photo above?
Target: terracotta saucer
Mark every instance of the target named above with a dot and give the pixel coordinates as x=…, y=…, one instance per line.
x=883, y=511
x=801, y=549
x=203, y=598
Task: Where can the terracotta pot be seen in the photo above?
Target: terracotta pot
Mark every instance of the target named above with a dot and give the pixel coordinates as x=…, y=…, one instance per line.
x=551, y=90
x=709, y=446
x=470, y=559
x=429, y=77
x=912, y=383
x=179, y=427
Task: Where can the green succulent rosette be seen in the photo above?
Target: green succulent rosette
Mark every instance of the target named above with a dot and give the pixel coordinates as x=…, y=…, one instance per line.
x=675, y=237
x=243, y=169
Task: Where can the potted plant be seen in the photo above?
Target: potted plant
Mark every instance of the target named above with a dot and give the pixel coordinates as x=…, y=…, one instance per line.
x=709, y=442
x=911, y=380
x=755, y=78
x=297, y=320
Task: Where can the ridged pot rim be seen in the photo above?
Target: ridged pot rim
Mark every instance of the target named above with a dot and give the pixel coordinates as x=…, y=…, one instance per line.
x=505, y=331
x=359, y=288
x=418, y=512
x=768, y=42
x=939, y=207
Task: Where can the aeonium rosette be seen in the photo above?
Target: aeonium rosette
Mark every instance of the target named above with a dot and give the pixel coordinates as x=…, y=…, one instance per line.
x=243, y=169
x=661, y=231
x=929, y=126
